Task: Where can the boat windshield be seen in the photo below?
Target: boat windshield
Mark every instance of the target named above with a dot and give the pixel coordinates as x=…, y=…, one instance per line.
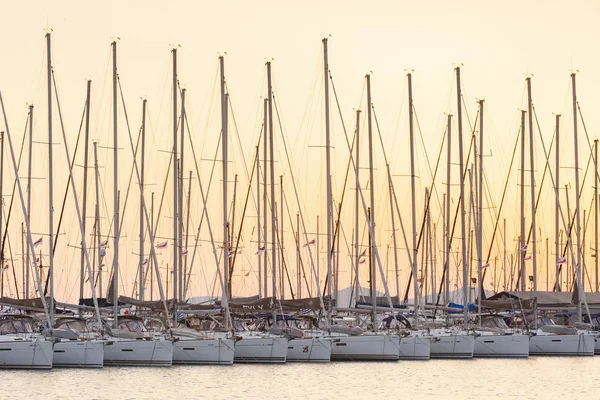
x=545, y=321
x=132, y=325
x=495, y=322
x=75, y=326
x=14, y=326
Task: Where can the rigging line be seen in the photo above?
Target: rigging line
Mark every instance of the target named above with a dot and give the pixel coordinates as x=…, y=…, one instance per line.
x=501, y=206
x=237, y=133
x=445, y=271
x=210, y=180
x=364, y=204
x=432, y=174
x=337, y=223
x=4, y=237
x=391, y=184
x=287, y=207
x=60, y=219
x=12, y=262
x=312, y=264
x=231, y=267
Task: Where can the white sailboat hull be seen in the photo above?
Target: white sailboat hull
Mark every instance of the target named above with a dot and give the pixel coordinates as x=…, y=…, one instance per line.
x=26, y=354
x=365, y=348
x=562, y=345
x=79, y=353
x=415, y=348
x=309, y=350
x=217, y=351
x=511, y=346
x=143, y=353
x=452, y=346
x=272, y=350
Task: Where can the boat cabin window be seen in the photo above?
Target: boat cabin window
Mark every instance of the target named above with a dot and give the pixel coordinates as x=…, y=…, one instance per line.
x=75, y=326
x=495, y=322
x=545, y=321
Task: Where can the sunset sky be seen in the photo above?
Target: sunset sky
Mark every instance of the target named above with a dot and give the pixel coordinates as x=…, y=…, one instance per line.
x=497, y=44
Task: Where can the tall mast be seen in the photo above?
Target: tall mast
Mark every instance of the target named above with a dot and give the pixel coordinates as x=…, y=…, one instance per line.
x=50, y=182
x=357, y=196
x=225, y=291
x=84, y=200
x=175, y=185
x=143, y=162
x=259, y=254
x=180, y=198
x=596, y=210
x=372, y=202
x=480, y=212
x=462, y=194
x=327, y=171
x=557, y=197
x=186, y=281
x=272, y=182
x=413, y=195
x=264, y=175
x=115, y=193
x=522, y=249
x=577, y=208
x=27, y=270
x=447, y=219
x=532, y=191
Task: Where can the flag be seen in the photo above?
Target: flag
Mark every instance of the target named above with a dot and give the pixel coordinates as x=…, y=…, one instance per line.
x=104, y=243
x=486, y=265
x=102, y=251
x=362, y=260
x=230, y=254
x=523, y=249
x=5, y=267
x=527, y=258
x=561, y=260
x=184, y=252
x=310, y=243
x=145, y=262
x=261, y=250
x=38, y=242
x=305, y=311
x=162, y=245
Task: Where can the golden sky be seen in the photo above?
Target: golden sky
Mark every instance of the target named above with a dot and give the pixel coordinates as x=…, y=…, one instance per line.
x=498, y=44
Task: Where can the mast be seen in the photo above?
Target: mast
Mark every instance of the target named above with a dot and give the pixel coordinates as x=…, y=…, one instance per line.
x=187, y=227
x=372, y=208
x=28, y=266
x=260, y=294
x=413, y=196
x=532, y=190
x=447, y=217
x=357, y=195
x=272, y=181
x=298, y=271
x=522, y=249
x=180, y=199
x=328, y=172
x=480, y=212
x=225, y=291
x=115, y=193
x=175, y=186
x=557, y=197
x=50, y=183
x=84, y=200
x=577, y=206
x=596, y=210
x=143, y=162
x=462, y=193
x=264, y=174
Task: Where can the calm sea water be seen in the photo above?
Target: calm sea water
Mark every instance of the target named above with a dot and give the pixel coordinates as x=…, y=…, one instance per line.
x=535, y=378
